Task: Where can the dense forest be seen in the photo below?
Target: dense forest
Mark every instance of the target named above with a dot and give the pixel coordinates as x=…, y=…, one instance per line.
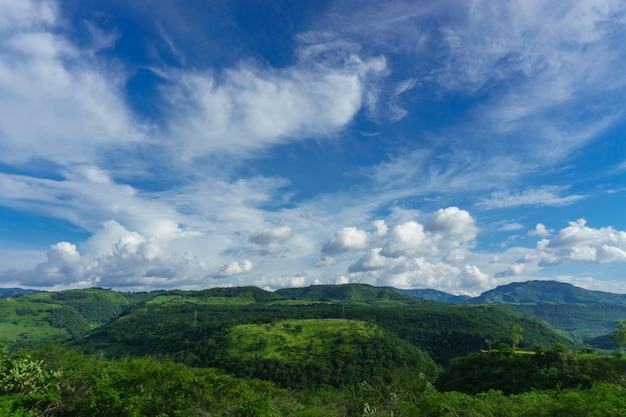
x=352, y=350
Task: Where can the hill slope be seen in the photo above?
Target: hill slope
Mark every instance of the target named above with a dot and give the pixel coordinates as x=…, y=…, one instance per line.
x=15, y=292
x=353, y=293
x=584, y=314
x=546, y=291
x=38, y=316
x=190, y=327
x=434, y=295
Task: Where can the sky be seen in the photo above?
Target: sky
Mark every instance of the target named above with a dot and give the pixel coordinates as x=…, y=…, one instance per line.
x=458, y=146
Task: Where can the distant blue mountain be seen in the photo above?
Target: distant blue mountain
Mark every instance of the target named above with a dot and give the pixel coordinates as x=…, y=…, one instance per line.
x=434, y=295
x=546, y=291
x=15, y=292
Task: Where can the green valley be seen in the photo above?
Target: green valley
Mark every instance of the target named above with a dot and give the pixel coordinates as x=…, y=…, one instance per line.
x=346, y=350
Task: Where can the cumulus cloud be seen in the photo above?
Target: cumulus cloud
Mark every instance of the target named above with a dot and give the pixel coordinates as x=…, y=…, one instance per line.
x=444, y=230
x=452, y=227
x=347, y=239
x=576, y=243
x=416, y=255
x=381, y=228
x=268, y=236
x=420, y=273
x=235, y=268
x=131, y=262
x=274, y=283
x=372, y=261
x=268, y=241
x=540, y=230
x=582, y=244
x=325, y=261
x=408, y=239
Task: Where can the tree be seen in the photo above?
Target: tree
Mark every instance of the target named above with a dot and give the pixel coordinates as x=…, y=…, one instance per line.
x=619, y=336
x=490, y=343
x=516, y=335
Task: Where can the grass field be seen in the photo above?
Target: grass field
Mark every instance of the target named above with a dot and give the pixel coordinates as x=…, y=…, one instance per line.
x=243, y=299
x=287, y=337
x=26, y=321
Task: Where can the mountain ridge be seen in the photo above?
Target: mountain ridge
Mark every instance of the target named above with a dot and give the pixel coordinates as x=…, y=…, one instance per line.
x=534, y=291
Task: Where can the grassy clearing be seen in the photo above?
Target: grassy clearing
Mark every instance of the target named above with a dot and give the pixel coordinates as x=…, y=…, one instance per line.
x=288, y=337
x=243, y=299
x=26, y=321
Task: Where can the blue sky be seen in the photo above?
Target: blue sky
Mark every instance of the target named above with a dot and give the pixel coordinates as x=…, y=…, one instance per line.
x=418, y=144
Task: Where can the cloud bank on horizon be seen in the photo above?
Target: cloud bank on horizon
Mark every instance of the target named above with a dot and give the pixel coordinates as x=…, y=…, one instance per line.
x=419, y=145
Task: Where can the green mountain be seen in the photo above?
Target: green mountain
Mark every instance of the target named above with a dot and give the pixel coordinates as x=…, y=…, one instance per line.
x=15, y=292
x=581, y=321
x=546, y=291
x=434, y=295
x=583, y=314
x=38, y=316
x=352, y=293
x=193, y=326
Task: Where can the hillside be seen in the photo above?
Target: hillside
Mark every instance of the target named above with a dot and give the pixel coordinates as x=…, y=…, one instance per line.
x=348, y=350
x=353, y=293
x=583, y=314
x=317, y=352
x=160, y=325
x=581, y=321
x=14, y=292
x=434, y=295
x=39, y=316
x=546, y=291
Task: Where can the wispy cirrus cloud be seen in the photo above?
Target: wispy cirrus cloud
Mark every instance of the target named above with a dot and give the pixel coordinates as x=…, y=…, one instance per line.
x=532, y=196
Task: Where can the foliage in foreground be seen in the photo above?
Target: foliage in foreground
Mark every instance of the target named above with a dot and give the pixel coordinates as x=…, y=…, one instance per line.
x=58, y=382
x=517, y=372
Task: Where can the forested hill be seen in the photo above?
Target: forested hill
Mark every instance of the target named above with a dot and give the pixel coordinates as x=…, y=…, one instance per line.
x=546, y=291
x=29, y=318
x=434, y=295
x=356, y=293
x=15, y=292
x=184, y=325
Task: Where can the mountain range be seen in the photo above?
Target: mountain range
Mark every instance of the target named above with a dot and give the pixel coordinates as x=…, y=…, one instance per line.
x=583, y=315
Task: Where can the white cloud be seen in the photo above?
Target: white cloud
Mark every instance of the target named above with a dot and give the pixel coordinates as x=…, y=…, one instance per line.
x=406, y=258
x=381, y=228
x=574, y=244
x=325, y=261
x=540, y=230
x=347, y=239
x=452, y=227
x=131, y=262
x=78, y=104
x=86, y=197
x=419, y=273
x=580, y=243
x=268, y=236
x=372, y=261
x=235, y=268
x=443, y=231
x=274, y=283
x=64, y=106
x=21, y=14
x=268, y=241
x=254, y=108
x=532, y=196
x=408, y=239
x=510, y=227
x=541, y=58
